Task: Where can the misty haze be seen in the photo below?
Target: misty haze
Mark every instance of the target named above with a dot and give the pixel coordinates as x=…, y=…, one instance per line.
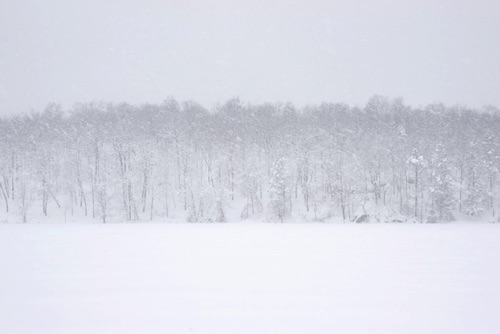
x=249, y=166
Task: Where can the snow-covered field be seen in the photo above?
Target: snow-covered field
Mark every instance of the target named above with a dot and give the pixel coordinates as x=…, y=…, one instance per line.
x=249, y=278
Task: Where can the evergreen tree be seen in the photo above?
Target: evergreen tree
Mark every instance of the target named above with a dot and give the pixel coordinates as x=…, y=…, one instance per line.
x=279, y=192
x=442, y=184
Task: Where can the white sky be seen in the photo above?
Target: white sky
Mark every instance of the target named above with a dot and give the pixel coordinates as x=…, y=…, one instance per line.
x=305, y=51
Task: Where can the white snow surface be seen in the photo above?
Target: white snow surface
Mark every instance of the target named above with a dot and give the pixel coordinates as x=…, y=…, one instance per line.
x=250, y=278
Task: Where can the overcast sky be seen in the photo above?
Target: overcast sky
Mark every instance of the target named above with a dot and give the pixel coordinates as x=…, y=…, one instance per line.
x=306, y=51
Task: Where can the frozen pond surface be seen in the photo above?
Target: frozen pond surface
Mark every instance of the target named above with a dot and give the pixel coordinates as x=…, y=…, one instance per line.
x=249, y=278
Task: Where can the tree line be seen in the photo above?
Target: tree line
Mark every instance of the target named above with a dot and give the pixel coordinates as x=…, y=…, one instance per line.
x=386, y=161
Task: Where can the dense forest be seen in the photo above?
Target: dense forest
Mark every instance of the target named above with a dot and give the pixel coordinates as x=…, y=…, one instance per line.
x=385, y=162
